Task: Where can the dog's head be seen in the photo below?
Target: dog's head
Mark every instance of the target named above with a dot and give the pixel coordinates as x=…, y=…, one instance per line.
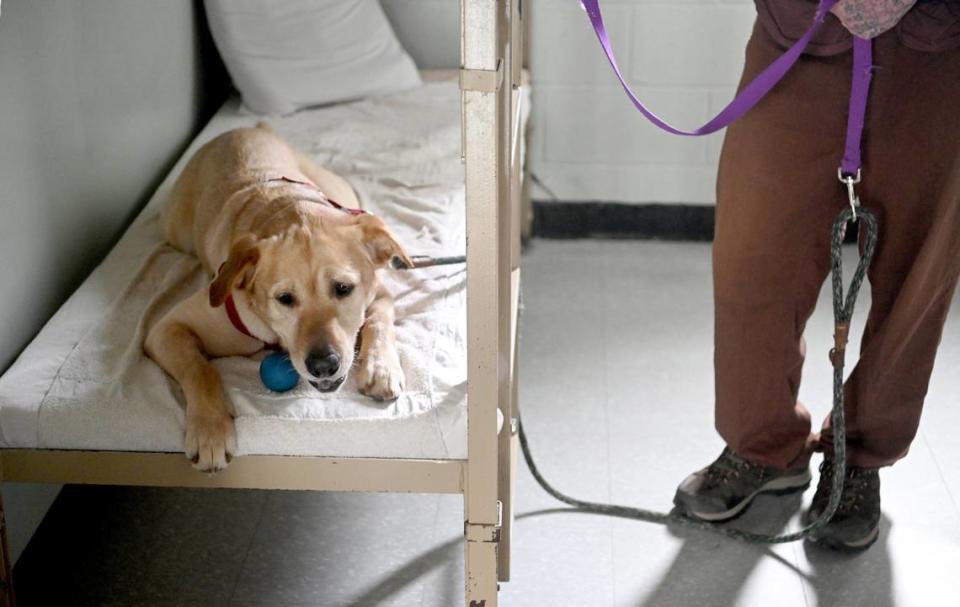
x=311, y=285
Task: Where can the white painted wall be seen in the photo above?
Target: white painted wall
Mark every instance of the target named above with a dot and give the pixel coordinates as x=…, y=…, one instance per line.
x=587, y=140
x=97, y=99
x=683, y=57
x=428, y=29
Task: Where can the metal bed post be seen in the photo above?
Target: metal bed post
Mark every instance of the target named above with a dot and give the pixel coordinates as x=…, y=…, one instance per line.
x=488, y=286
x=511, y=190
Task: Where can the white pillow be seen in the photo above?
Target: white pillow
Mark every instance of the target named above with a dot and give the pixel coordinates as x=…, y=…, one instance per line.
x=284, y=55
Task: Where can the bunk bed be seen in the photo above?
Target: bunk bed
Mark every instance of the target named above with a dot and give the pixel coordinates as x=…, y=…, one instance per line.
x=445, y=173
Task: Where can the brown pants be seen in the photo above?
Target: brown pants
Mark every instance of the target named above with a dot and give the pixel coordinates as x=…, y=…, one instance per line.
x=777, y=196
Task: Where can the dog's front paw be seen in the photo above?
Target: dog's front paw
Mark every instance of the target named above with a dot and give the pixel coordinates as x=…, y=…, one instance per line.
x=211, y=441
x=380, y=377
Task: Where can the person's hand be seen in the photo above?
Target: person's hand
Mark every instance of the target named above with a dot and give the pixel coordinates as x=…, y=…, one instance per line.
x=870, y=18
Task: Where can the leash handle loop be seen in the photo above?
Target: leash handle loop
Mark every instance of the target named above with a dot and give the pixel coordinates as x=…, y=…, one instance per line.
x=743, y=102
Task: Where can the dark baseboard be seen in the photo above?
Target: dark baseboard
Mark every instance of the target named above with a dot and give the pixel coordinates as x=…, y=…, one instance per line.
x=618, y=220
x=677, y=222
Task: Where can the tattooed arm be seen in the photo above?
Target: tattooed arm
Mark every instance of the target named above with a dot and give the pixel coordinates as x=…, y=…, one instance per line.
x=870, y=18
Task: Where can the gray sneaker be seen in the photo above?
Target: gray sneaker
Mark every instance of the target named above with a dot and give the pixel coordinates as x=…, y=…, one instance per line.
x=856, y=524
x=726, y=487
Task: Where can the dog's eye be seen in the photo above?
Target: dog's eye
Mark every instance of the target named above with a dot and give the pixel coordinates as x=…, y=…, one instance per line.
x=286, y=299
x=342, y=289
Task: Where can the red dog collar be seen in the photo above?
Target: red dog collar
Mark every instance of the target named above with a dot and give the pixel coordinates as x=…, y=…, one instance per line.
x=329, y=200
x=234, y=315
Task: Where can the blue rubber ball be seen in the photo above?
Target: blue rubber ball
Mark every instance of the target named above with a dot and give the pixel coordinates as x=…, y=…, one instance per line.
x=277, y=372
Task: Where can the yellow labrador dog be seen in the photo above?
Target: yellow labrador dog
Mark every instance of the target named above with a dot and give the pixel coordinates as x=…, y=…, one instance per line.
x=290, y=267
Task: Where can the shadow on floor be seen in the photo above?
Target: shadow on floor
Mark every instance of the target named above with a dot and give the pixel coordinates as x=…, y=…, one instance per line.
x=122, y=546
x=861, y=578
x=712, y=570
x=443, y=556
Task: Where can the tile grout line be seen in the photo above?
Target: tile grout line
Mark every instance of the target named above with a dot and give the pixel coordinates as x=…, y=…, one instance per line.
x=794, y=548
x=943, y=479
x=800, y=578
x=436, y=524
x=246, y=555
x=606, y=414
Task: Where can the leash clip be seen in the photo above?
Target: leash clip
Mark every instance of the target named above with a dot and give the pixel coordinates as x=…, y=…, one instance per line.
x=840, y=338
x=850, y=181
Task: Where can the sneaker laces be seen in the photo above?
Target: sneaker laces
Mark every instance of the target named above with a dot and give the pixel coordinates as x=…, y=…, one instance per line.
x=856, y=483
x=728, y=467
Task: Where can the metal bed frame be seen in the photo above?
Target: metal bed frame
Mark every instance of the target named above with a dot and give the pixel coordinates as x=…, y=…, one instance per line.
x=490, y=81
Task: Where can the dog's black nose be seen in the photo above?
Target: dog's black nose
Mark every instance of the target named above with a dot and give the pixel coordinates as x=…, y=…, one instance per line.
x=323, y=362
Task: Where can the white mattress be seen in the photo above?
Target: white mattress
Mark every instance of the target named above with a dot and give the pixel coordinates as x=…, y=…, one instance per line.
x=84, y=382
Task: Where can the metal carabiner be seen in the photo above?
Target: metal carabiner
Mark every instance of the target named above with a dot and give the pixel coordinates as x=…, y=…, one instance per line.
x=850, y=181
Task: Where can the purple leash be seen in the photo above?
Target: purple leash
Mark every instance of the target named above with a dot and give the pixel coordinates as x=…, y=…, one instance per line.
x=849, y=171
x=748, y=97
x=751, y=94
x=859, y=91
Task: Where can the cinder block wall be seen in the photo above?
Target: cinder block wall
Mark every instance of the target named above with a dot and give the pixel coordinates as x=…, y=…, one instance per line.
x=588, y=143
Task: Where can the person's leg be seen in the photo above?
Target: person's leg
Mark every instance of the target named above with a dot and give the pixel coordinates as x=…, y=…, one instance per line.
x=777, y=197
x=911, y=181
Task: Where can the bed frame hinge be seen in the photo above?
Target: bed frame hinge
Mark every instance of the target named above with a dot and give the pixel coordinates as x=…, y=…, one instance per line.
x=485, y=81
x=478, y=532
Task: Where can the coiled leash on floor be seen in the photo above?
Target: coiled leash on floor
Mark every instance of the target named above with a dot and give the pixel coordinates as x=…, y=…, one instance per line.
x=842, y=313
x=843, y=307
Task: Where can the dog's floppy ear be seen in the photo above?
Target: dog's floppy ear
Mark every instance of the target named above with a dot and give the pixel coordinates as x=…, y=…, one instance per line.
x=380, y=244
x=244, y=254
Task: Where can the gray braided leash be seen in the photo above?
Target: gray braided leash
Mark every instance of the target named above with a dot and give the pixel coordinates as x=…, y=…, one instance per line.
x=842, y=313
x=425, y=261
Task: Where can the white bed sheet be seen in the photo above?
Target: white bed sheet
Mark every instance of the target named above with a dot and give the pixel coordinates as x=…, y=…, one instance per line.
x=84, y=383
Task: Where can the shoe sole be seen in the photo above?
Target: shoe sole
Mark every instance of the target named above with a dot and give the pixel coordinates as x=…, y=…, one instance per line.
x=779, y=486
x=848, y=546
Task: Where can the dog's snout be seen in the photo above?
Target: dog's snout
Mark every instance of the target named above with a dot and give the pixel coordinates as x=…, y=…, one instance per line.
x=323, y=362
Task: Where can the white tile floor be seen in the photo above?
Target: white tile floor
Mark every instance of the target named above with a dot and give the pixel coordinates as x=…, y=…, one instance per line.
x=617, y=398
x=641, y=322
